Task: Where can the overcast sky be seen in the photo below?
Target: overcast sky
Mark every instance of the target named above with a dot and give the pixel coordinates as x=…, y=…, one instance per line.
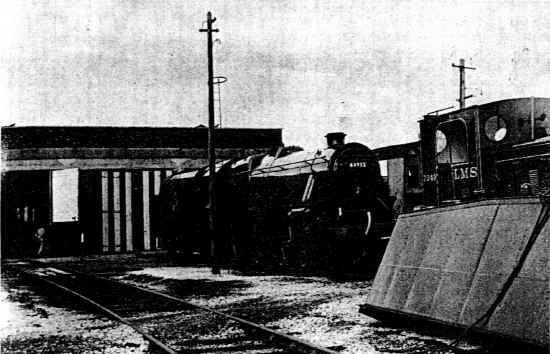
x=369, y=68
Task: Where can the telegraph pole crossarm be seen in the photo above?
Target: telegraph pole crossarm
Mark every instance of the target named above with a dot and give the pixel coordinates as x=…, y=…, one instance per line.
x=215, y=244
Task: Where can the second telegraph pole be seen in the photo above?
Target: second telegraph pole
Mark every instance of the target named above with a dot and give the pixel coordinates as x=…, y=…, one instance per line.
x=462, y=83
x=211, y=152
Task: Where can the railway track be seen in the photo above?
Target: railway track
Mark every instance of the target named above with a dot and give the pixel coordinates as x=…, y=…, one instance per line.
x=170, y=324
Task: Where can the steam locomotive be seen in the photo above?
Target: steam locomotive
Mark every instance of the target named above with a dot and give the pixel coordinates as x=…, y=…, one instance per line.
x=474, y=256
x=324, y=210
x=332, y=209
x=499, y=149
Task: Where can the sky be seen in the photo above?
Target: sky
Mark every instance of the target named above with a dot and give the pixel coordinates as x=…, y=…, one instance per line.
x=368, y=68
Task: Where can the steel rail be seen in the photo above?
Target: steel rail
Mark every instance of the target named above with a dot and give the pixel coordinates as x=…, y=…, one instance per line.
x=291, y=342
x=107, y=311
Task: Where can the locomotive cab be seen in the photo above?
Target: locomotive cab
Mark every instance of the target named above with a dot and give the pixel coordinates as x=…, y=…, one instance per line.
x=467, y=154
x=475, y=265
x=184, y=207
x=182, y=211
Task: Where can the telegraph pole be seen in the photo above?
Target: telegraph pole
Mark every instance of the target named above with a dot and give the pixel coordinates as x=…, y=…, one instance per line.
x=462, y=88
x=211, y=152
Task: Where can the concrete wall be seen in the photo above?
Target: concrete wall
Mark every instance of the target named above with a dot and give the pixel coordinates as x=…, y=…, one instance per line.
x=450, y=263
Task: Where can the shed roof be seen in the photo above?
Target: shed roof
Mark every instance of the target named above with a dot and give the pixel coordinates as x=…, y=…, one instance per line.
x=25, y=137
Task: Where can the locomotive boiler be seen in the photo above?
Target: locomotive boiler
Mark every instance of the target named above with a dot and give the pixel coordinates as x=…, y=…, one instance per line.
x=318, y=209
x=289, y=210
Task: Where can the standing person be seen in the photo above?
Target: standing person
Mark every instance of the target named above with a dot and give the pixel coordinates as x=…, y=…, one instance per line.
x=398, y=207
x=542, y=126
x=40, y=236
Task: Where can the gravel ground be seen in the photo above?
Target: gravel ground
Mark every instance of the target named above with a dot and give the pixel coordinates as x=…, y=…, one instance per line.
x=31, y=323
x=315, y=309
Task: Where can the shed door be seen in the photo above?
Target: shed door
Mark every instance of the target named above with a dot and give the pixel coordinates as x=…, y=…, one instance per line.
x=65, y=195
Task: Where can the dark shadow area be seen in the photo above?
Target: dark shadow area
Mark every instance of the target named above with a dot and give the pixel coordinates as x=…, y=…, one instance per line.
x=264, y=310
x=115, y=265
x=292, y=273
x=30, y=295
x=192, y=287
x=260, y=309
x=65, y=344
x=478, y=342
x=236, y=347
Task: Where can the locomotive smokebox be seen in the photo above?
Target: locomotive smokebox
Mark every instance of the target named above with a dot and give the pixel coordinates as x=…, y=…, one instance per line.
x=335, y=140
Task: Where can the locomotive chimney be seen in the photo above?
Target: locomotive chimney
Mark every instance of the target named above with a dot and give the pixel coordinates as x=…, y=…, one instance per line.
x=335, y=140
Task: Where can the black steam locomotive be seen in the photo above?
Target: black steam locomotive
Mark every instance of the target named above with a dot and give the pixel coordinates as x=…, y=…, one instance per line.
x=474, y=255
x=332, y=209
x=499, y=149
x=313, y=211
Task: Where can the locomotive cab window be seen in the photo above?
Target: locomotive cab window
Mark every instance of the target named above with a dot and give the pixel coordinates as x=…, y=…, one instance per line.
x=496, y=129
x=451, y=142
x=412, y=175
x=440, y=141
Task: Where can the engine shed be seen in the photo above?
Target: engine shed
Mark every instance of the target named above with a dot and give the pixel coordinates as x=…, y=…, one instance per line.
x=95, y=189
